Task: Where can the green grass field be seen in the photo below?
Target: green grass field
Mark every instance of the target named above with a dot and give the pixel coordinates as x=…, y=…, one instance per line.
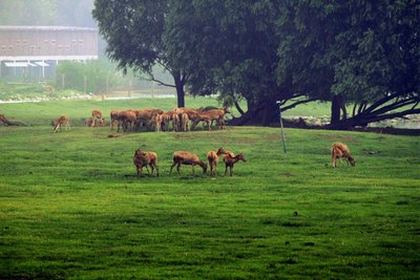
x=72, y=207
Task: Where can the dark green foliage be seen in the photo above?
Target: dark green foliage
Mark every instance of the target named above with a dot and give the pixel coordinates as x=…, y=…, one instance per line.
x=134, y=31
x=231, y=48
x=362, y=51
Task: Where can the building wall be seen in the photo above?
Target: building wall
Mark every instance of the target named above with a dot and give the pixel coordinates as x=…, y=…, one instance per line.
x=48, y=43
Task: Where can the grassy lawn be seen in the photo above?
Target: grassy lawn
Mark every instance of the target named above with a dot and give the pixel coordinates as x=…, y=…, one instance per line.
x=71, y=207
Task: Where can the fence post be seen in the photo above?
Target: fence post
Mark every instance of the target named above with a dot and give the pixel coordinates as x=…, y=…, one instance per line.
x=283, y=139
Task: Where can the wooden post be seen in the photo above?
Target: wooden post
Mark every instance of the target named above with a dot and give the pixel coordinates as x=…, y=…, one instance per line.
x=283, y=139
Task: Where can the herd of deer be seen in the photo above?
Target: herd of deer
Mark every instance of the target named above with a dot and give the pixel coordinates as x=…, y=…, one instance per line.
x=180, y=119
x=147, y=159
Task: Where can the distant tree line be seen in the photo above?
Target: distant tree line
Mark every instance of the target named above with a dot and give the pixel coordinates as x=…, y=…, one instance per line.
x=364, y=53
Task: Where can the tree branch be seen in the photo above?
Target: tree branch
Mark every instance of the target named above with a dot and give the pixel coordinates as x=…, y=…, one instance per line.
x=288, y=107
x=238, y=107
x=394, y=115
x=393, y=106
x=153, y=79
x=380, y=102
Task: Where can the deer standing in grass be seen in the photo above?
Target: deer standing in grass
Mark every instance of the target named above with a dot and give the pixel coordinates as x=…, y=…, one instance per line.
x=187, y=158
x=144, y=159
x=61, y=121
x=213, y=158
x=340, y=150
x=231, y=160
x=96, y=116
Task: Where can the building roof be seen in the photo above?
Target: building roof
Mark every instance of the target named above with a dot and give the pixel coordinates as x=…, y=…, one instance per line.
x=44, y=28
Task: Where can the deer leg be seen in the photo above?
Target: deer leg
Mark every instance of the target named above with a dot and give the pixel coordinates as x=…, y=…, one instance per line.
x=231, y=167
x=178, y=167
x=226, y=167
x=172, y=166
x=334, y=161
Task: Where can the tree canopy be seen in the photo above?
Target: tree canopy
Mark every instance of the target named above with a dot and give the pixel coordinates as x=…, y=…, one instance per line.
x=135, y=33
x=349, y=52
x=359, y=52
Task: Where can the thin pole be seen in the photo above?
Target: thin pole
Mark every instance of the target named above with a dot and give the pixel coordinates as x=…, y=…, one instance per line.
x=283, y=139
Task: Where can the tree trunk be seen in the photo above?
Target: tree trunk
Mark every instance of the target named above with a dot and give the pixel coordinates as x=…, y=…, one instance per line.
x=336, y=106
x=180, y=93
x=259, y=113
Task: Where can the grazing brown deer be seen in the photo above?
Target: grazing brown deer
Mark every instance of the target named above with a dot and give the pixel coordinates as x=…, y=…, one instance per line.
x=340, y=150
x=96, y=115
x=213, y=158
x=114, y=119
x=126, y=120
x=185, y=122
x=230, y=161
x=187, y=158
x=61, y=121
x=144, y=159
x=88, y=122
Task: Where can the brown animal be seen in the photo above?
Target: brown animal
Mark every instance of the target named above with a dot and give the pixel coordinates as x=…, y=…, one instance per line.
x=176, y=122
x=157, y=122
x=100, y=122
x=126, y=120
x=187, y=158
x=61, y=121
x=202, y=117
x=211, y=115
x=4, y=120
x=96, y=115
x=213, y=158
x=144, y=159
x=146, y=116
x=88, y=122
x=185, y=122
x=114, y=119
x=167, y=117
x=340, y=150
x=193, y=115
x=230, y=161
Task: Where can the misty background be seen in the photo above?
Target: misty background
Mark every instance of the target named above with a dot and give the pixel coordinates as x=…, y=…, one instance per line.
x=102, y=74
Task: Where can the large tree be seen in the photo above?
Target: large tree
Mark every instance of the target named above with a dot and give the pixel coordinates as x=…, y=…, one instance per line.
x=134, y=31
x=360, y=52
x=230, y=47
